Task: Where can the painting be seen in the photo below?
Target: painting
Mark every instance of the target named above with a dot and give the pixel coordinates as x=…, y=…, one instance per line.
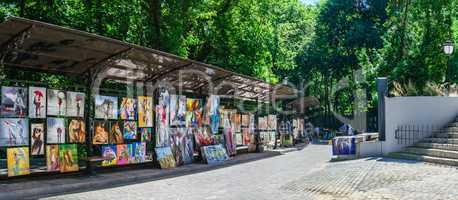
x=214, y=154
x=116, y=135
x=131, y=153
x=212, y=115
x=262, y=123
x=245, y=121
x=236, y=121
x=106, y=107
x=18, y=161
x=139, y=152
x=238, y=139
x=246, y=136
x=146, y=134
x=229, y=138
x=130, y=130
x=162, y=138
x=55, y=131
x=177, y=144
x=193, y=113
x=109, y=153
x=57, y=102
x=173, y=109
x=165, y=157
x=100, y=134
x=38, y=141
x=68, y=156
x=345, y=145
x=14, y=132
x=188, y=150
x=272, y=122
x=122, y=154
x=180, y=119
x=52, y=158
x=75, y=104
x=145, y=111
x=203, y=137
x=37, y=102
x=14, y=102
x=77, y=131
x=128, y=108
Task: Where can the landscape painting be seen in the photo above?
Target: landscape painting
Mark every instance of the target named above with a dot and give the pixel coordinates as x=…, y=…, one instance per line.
x=128, y=108
x=106, y=107
x=14, y=132
x=18, y=161
x=165, y=157
x=55, y=131
x=52, y=158
x=75, y=104
x=101, y=130
x=77, y=131
x=130, y=130
x=116, y=132
x=37, y=142
x=37, y=102
x=145, y=111
x=57, y=102
x=68, y=158
x=109, y=153
x=14, y=102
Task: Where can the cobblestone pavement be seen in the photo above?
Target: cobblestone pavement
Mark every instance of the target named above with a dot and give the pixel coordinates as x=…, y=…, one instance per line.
x=298, y=175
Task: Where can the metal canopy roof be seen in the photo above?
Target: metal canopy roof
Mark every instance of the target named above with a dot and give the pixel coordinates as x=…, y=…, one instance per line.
x=36, y=45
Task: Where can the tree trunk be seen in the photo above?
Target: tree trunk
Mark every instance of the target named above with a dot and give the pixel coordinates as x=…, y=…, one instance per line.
x=155, y=9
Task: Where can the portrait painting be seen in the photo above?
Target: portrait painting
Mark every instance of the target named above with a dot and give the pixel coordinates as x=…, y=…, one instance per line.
x=52, y=158
x=77, y=131
x=162, y=127
x=68, y=156
x=14, y=132
x=246, y=136
x=37, y=102
x=165, y=157
x=106, y=107
x=57, y=102
x=272, y=122
x=130, y=130
x=245, y=120
x=109, y=154
x=37, y=136
x=75, y=104
x=146, y=134
x=128, y=108
x=122, y=154
x=116, y=132
x=55, y=131
x=14, y=102
x=100, y=133
x=18, y=161
x=145, y=111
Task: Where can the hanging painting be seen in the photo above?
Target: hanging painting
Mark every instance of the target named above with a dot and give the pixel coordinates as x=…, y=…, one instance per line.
x=68, y=158
x=146, y=134
x=77, y=131
x=139, y=152
x=245, y=120
x=106, y=107
x=57, y=102
x=37, y=102
x=14, y=132
x=55, y=131
x=128, y=108
x=203, y=137
x=162, y=139
x=109, y=154
x=165, y=157
x=14, y=102
x=246, y=136
x=131, y=153
x=130, y=130
x=18, y=161
x=145, y=111
x=229, y=138
x=52, y=158
x=100, y=134
x=173, y=108
x=238, y=139
x=214, y=154
x=123, y=154
x=212, y=114
x=177, y=144
x=37, y=147
x=272, y=122
x=116, y=133
x=181, y=113
x=75, y=104
x=236, y=122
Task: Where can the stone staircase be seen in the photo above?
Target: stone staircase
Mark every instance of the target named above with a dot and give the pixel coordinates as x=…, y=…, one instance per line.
x=440, y=148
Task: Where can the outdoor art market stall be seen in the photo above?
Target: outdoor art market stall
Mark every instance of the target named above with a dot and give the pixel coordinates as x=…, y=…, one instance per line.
x=161, y=109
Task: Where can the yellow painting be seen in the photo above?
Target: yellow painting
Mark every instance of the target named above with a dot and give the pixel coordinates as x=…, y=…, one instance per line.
x=145, y=111
x=18, y=161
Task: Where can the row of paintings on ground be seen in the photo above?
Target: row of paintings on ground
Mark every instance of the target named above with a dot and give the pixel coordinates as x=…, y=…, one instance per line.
x=212, y=154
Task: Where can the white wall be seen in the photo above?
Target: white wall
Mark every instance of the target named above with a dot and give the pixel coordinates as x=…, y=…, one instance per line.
x=437, y=111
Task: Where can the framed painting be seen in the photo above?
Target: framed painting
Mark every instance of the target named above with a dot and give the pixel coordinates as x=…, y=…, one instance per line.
x=14, y=102
x=68, y=156
x=55, y=131
x=37, y=102
x=77, y=131
x=145, y=111
x=18, y=161
x=165, y=157
x=37, y=136
x=139, y=152
x=146, y=134
x=130, y=130
x=162, y=128
x=57, y=102
x=128, y=108
x=106, y=107
x=109, y=153
x=238, y=139
x=100, y=134
x=122, y=154
x=116, y=132
x=75, y=104
x=14, y=132
x=193, y=113
x=52, y=158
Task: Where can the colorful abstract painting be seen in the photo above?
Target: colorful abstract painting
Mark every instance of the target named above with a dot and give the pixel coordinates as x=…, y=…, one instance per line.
x=162, y=138
x=203, y=137
x=146, y=134
x=122, y=154
x=57, y=102
x=18, y=161
x=116, y=135
x=128, y=108
x=145, y=111
x=77, y=131
x=14, y=102
x=38, y=141
x=173, y=109
x=37, y=102
x=177, y=144
x=130, y=130
x=55, y=131
x=14, y=132
x=52, y=158
x=109, y=153
x=212, y=115
x=101, y=132
x=165, y=157
x=106, y=107
x=214, y=154
x=75, y=104
x=229, y=138
x=193, y=113
x=68, y=156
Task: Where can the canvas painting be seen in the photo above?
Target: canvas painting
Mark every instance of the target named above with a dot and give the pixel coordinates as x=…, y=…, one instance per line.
x=14, y=132
x=139, y=152
x=116, y=135
x=77, y=131
x=212, y=113
x=162, y=139
x=38, y=141
x=131, y=153
x=203, y=137
x=68, y=158
x=123, y=154
x=55, y=131
x=229, y=138
x=109, y=153
x=52, y=158
x=262, y=123
x=236, y=122
x=238, y=139
x=214, y=154
x=272, y=122
x=37, y=102
x=14, y=102
x=181, y=113
x=18, y=161
x=177, y=144
x=101, y=130
x=130, y=130
x=245, y=120
x=128, y=108
x=344, y=146
x=173, y=109
x=106, y=107
x=188, y=151
x=194, y=113
x=75, y=104
x=146, y=134
x=165, y=157
x=57, y=102
x=246, y=136
x=145, y=111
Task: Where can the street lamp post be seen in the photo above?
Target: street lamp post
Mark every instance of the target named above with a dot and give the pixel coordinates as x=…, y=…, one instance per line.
x=448, y=50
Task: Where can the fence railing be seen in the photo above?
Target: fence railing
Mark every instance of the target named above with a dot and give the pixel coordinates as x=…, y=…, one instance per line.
x=413, y=133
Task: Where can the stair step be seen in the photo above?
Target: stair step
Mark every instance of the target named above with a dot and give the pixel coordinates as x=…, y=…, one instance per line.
x=443, y=146
x=440, y=140
x=453, y=124
x=430, y=159
x=431, y=152
x=445, y=135
x=446, y=130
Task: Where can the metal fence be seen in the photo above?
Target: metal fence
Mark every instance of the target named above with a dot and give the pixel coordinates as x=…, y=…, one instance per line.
x=413, y=133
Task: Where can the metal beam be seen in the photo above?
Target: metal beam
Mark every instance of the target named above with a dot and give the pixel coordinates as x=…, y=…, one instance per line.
x=14, y=42
x=165, y=73
x=109, y=59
